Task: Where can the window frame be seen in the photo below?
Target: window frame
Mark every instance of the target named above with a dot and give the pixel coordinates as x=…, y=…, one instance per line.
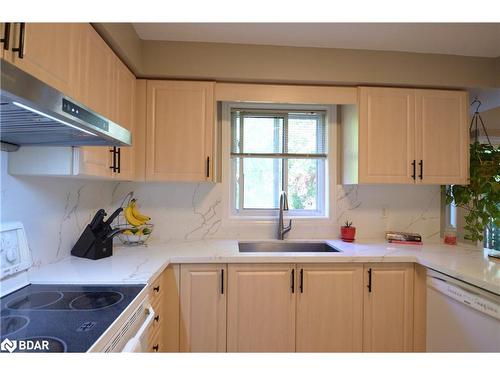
x=326, y=175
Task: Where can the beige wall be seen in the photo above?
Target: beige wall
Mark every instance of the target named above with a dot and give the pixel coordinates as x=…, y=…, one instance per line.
x=491, y=118
x=124, y=41
x=258, y=63
x=235, y=62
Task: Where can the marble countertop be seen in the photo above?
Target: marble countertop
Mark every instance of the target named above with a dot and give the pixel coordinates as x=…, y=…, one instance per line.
x=143, y=263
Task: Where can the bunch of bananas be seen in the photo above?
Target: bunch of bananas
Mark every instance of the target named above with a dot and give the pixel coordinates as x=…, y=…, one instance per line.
x=133, y=216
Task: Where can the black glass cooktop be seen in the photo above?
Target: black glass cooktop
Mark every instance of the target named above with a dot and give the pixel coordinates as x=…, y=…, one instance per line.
x=62, y=318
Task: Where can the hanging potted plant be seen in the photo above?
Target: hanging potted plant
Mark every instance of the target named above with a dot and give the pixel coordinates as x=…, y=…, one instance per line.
x=480, y=198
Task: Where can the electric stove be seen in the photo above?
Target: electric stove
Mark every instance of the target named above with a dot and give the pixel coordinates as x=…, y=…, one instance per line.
x=61, y=318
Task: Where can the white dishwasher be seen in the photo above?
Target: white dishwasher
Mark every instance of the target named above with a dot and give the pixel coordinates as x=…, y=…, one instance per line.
x=461, y=317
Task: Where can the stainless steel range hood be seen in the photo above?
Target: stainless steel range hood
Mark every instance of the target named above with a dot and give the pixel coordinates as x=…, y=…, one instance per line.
x=33, y=113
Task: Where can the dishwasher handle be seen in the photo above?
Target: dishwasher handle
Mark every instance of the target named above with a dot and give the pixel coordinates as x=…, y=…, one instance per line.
x=467, y=296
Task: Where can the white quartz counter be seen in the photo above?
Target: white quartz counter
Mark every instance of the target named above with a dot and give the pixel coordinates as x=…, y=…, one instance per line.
x=142, y=264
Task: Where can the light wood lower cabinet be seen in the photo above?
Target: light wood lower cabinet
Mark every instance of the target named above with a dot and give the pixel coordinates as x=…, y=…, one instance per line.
x=343, y=307
x=164, y=298
x=329, y=308
x=203, y=308
x=388, y=307
x=261, y=308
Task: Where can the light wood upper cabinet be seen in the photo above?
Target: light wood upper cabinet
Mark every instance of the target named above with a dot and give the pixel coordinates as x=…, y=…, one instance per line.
x=405, y=136
x=97, y=92
x=203, y=308
x=5, y=35
x=50, y=53
x=329, y=308
x=109, y=89
x=442, y=136
x=261, y=308
x=139, y=136
x=98, y=73
x=388, y=308
x=386, y=135
x=180, y=120
x=124, y=116
x=93, y=161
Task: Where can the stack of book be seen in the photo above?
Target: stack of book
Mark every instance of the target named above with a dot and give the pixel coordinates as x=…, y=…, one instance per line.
x=403, y=237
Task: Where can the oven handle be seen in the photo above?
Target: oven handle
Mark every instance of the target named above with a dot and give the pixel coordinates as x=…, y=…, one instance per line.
x=138, y=343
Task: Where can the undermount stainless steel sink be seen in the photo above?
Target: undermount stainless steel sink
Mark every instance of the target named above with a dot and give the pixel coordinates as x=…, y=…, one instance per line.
x=286, y=247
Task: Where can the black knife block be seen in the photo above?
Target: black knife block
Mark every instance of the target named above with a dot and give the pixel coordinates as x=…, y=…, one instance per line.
x=91, y=245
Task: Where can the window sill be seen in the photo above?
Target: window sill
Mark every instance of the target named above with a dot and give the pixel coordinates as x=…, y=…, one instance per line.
x=275, y=218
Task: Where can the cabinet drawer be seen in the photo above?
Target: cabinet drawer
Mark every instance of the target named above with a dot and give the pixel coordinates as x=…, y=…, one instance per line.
x=157, y=321
x=155, y=344
x=156, y=290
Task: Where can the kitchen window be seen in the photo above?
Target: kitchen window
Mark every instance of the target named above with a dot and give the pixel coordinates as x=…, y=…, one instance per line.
x=274, y=151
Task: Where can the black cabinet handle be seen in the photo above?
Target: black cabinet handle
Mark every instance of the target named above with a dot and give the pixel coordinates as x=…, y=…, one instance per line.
x=421, y=164
x=157, y=318
x=369, y=286
x=113, y=167
x=293, y=280
x=155, y=348
x=20, y=49
x=222, y=281
x=208, y=166
x=301, y=280
x=157, y=289
x=6, y=36
x=119, y=155
x=414, y=165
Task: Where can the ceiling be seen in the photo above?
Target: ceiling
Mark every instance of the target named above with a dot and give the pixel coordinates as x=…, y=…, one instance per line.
x=468, y=39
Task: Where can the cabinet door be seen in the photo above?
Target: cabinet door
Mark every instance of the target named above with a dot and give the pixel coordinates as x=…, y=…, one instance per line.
x=93, y=161
x=139, y=136
x=6, y=36
x=180, y=120
x=203, y=308
x=50, y=53
x=171, y=308
x=96, y=92
x=442, y=136
x=388, y=308
x=261, y=308
x=124, y=116
x=386, y=135
x=98, y=73
x=329, y=308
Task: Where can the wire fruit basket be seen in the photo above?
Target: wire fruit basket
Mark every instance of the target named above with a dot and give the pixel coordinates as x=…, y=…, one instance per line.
x=132, y=235
x=135, y=235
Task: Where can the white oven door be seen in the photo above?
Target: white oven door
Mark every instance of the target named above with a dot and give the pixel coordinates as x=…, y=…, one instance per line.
x=139, y=341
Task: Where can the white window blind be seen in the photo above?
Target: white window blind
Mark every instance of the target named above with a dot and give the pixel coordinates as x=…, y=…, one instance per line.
x=261, y=134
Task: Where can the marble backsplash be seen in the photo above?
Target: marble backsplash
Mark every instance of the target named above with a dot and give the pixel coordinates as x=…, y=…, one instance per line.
x=55, y=211
x=195, y=211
